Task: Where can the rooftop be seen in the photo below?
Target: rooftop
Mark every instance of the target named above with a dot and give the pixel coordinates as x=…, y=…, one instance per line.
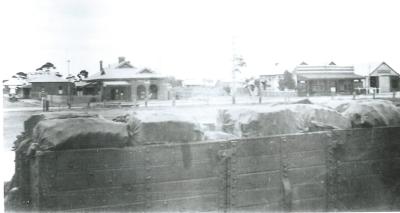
x=327, y=68
x=312, y=76
x=15, y=82
x=124, y=70
x=47, y=78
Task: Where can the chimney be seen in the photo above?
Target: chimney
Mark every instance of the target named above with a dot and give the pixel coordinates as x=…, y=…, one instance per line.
x=121, y=59
x=101, y=68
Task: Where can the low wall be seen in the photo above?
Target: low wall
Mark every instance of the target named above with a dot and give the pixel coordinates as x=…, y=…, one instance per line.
x=62, y=99
x=340, y=170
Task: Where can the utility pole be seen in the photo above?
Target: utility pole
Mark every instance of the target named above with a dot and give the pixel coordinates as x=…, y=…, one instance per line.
x=69, y=86
x=233, y=90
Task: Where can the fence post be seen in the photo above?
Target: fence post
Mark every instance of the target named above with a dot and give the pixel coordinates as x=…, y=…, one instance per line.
x=47, y=105
x=394, y=95
x=44, y=104
x=173, y=97
x=354, y=95
x=373, y=93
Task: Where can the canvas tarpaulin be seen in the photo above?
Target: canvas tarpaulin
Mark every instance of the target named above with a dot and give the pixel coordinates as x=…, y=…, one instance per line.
x=161, y=127
x=370, y=113
x=259, y=121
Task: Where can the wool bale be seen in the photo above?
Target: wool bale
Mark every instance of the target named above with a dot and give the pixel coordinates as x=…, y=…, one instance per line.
x=257, y=121
x=370, y=113
x=31, y=122
x=80, y=133
x=161, y=127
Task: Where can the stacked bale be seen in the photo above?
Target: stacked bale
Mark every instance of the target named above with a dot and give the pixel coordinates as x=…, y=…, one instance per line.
x=31, y=122
x=65, y=130
x=161, y=127
x=260, y=121
x=370, y=113
x=56, y=131
x=80, y=133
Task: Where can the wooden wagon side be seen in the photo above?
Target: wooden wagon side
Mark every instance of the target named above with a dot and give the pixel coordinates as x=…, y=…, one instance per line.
x=336, y=170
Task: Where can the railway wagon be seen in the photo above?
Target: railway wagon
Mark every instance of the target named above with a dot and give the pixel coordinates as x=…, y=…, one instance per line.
x=336, y=170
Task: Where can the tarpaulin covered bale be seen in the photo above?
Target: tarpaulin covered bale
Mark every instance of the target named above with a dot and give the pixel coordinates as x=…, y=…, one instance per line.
x=60, y=131
x=160, y=127
x=79, y=133
x=24, y=141
x=370, y=113
x=281, y=119
x=31, y=122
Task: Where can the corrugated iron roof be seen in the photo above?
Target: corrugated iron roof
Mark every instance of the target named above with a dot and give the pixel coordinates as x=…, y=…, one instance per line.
x=48, y=78
x=332, y=68
x=15, y=82
x=125, y=73
x=116, y=83
x=315, y=76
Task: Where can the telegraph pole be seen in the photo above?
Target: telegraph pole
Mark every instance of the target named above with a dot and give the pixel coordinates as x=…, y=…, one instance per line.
x=69, y=86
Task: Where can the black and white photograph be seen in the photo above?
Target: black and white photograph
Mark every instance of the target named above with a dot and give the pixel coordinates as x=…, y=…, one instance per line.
x=200, y=105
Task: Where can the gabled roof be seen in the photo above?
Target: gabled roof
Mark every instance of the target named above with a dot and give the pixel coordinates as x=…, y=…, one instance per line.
x=384, y=69
x=124, y=70
x=125, y=73
x=47, y=78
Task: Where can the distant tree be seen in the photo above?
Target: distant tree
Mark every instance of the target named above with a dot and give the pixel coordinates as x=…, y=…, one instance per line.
x=264, y=84
x=21, y=75
x=250, y=83
x=238, y=64
x=83, y=73
x=46, y=67
x=58, y=74
x=257, y=83
x=72, y=78
x=287, y=81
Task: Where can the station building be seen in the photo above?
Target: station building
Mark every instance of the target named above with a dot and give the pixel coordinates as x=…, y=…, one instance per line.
x=325, y=80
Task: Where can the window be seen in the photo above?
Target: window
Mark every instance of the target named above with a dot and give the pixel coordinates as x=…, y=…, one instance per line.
x=141, y=92
x=374, y=81
x=60, y=90
x=317, y=86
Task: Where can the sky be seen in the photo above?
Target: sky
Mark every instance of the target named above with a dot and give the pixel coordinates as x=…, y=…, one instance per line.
x=196, y=39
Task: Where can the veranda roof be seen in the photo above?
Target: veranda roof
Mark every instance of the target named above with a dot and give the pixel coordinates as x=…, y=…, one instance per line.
x=116, y=83
x=323, y=76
